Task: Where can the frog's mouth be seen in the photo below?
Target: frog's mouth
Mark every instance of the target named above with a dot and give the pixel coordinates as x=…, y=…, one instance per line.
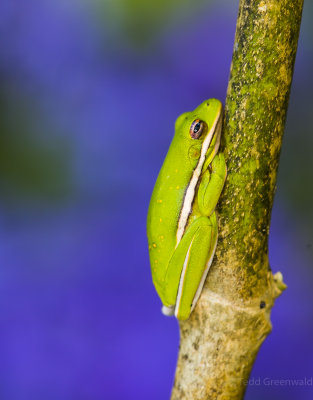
x=204, y=161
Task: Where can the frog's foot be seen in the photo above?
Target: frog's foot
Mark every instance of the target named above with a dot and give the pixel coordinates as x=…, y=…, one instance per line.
x=168, y=311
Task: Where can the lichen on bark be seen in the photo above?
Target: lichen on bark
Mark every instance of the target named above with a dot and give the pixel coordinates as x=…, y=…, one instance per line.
x=220, y=341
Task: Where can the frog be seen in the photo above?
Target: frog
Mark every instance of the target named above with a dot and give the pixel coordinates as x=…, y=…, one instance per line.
x=182, y=224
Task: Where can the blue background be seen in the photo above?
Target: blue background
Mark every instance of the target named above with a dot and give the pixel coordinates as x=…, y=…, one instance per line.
x=89, y=94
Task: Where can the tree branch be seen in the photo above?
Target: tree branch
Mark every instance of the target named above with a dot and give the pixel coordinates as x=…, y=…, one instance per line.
x=221, y=339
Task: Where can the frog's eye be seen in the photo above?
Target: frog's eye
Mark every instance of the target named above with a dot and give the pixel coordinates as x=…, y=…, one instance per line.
x=197, y=128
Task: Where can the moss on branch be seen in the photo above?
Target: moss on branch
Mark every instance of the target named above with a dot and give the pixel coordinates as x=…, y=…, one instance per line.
x=221, y=339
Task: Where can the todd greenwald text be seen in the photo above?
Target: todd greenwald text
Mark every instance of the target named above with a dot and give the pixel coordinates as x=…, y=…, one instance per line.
x=266, y=381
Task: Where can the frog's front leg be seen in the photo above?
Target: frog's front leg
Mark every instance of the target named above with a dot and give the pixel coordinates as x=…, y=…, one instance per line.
x=189, y=266
x=211, y=185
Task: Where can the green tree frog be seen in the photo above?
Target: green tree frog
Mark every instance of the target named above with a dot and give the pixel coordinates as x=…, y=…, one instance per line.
x=182, y=222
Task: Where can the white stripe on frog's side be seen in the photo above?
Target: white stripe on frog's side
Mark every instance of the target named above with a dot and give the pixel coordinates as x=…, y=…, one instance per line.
x=190, y=192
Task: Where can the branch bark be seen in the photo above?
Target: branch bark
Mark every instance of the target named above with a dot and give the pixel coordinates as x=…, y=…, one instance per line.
x=221, y=339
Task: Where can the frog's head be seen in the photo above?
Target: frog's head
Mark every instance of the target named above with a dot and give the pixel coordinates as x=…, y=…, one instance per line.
x=200, y=131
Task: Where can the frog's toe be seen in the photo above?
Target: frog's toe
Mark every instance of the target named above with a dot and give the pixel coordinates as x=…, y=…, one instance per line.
x=168, y=311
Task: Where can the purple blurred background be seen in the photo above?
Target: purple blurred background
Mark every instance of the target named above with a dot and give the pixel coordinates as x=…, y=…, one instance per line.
x=89, y=94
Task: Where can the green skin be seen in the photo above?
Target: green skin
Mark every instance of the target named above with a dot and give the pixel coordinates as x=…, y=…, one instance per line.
x=181, y=224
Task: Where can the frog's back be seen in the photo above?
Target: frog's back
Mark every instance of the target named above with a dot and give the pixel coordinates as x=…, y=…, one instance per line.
x=165, y=207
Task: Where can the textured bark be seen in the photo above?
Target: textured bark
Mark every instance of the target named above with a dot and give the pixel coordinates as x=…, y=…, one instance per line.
x=221, y=339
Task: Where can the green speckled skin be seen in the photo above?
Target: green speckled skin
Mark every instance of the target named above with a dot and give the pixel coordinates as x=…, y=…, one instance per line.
x=197, y=243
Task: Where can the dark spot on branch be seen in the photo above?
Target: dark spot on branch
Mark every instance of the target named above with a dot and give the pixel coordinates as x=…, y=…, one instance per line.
x=195, y=346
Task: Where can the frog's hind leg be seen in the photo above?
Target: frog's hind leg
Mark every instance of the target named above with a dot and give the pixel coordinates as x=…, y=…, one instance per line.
x=176, y=264
x=196, y=267
x=208, y=265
